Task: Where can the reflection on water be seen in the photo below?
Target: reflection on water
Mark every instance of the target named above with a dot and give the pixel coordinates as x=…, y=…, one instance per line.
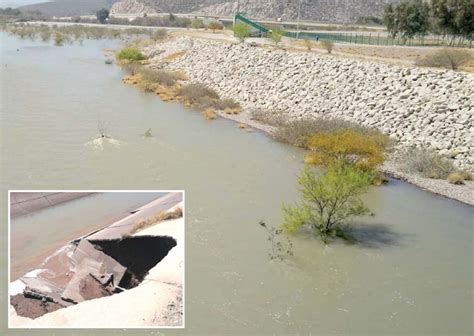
x=409, y=270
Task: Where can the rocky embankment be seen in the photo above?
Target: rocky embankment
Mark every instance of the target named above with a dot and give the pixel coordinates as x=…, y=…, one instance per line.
x=414, y=106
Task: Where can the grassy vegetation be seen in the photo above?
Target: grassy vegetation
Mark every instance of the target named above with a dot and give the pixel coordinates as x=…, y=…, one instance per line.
x=72, y=32
x=447, y=58
x=159, y=34
x=197, y=23
x=59, y=39
x=152, y=220
x=276, y=35
x=327, y=45
x=297, y=132
x=202, y=97
x=161, y=77
x=130, y=54
x=209, y=114
x=364, y=150
x=241, y=31
x=215, y=25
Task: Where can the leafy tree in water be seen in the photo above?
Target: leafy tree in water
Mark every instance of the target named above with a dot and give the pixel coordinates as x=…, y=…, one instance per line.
x=328, y=200
x=241, y=31
x=102, y=15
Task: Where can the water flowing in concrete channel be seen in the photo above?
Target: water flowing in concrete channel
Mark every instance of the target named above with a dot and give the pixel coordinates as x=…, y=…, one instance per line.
x=411, y=273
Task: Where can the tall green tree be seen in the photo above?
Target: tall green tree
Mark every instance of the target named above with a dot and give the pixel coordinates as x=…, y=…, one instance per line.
x=102, y=15
x=407, y=19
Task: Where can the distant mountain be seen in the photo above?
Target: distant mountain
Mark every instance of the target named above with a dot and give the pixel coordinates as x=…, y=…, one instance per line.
x=18, y=3
x=343, y=11
x=70, y=7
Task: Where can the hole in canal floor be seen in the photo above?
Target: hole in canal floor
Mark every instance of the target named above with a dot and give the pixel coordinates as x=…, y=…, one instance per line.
x=99, y=268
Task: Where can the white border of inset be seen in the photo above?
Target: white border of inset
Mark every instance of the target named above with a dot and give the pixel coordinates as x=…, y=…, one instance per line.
x=117, y=327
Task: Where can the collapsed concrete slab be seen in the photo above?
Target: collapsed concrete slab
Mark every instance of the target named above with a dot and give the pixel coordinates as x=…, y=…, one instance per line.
x=87, y=269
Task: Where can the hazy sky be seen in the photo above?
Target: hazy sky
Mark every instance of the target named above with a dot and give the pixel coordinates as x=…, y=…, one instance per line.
x=18, y=3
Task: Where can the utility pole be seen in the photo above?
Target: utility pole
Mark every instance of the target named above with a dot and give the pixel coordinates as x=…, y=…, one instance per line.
x=298, y=20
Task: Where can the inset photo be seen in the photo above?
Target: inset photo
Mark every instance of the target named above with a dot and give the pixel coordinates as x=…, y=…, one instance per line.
x=96, y=259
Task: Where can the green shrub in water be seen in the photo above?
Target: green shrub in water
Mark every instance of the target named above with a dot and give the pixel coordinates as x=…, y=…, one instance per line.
x=130, y=54
x=328, y=200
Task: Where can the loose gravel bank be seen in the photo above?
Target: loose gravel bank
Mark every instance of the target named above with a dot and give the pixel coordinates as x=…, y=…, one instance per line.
x=414, y=106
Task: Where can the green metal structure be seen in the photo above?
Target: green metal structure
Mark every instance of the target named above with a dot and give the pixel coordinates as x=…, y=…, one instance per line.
x=258, y=29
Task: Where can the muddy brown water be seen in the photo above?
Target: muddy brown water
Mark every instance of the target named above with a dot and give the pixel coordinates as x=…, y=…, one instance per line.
x=411, y=272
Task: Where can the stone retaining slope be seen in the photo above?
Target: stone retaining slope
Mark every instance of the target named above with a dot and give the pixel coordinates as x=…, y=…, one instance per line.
x=415, y=106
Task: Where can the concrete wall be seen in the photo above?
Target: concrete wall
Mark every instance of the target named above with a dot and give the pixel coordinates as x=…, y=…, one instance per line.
x=24, y=203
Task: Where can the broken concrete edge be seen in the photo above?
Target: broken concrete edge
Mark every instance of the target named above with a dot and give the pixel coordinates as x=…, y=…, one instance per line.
x=19, y=286
x=123, y=226
x=161, y=289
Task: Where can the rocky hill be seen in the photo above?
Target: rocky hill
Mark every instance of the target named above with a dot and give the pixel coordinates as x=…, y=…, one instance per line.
x=69, y=7
x=342, y=11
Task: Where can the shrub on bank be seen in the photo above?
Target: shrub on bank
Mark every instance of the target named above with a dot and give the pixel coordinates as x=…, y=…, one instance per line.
x=130, y=54
x=162, y=77
x=215, y=25
x=159, y=34
x=297, y=132
x=427, y=163
x=272, y=118
x=196, y=92
x=327, y=45
x=364, y=150
x=241, y=31
x=132, y=68
x=59, y=39
x=448, y=58
x=456, y=178
x=197, y=23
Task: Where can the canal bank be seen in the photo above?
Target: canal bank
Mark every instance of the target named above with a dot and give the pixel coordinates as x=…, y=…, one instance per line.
x=415, y=106
x=397, y=274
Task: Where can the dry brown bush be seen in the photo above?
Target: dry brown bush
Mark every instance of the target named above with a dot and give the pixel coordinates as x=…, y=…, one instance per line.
x=154, y=219
x=427, y=163
x=448, y=58
x=297, y=132
x=328, y=45
x=161, y=77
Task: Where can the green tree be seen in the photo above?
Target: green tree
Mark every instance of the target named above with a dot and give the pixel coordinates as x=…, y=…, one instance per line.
x=407, y=19
x=276, y=35
x=102, y=15
x=327, y=200
x=241, y=31
x=197, y=23
x=390, y=20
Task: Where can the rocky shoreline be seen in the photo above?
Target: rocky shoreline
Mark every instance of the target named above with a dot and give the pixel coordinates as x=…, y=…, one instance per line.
x=414, y=106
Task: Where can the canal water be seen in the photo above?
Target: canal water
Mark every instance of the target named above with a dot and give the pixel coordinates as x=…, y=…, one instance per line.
x=411, y=273
x=36, y=236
